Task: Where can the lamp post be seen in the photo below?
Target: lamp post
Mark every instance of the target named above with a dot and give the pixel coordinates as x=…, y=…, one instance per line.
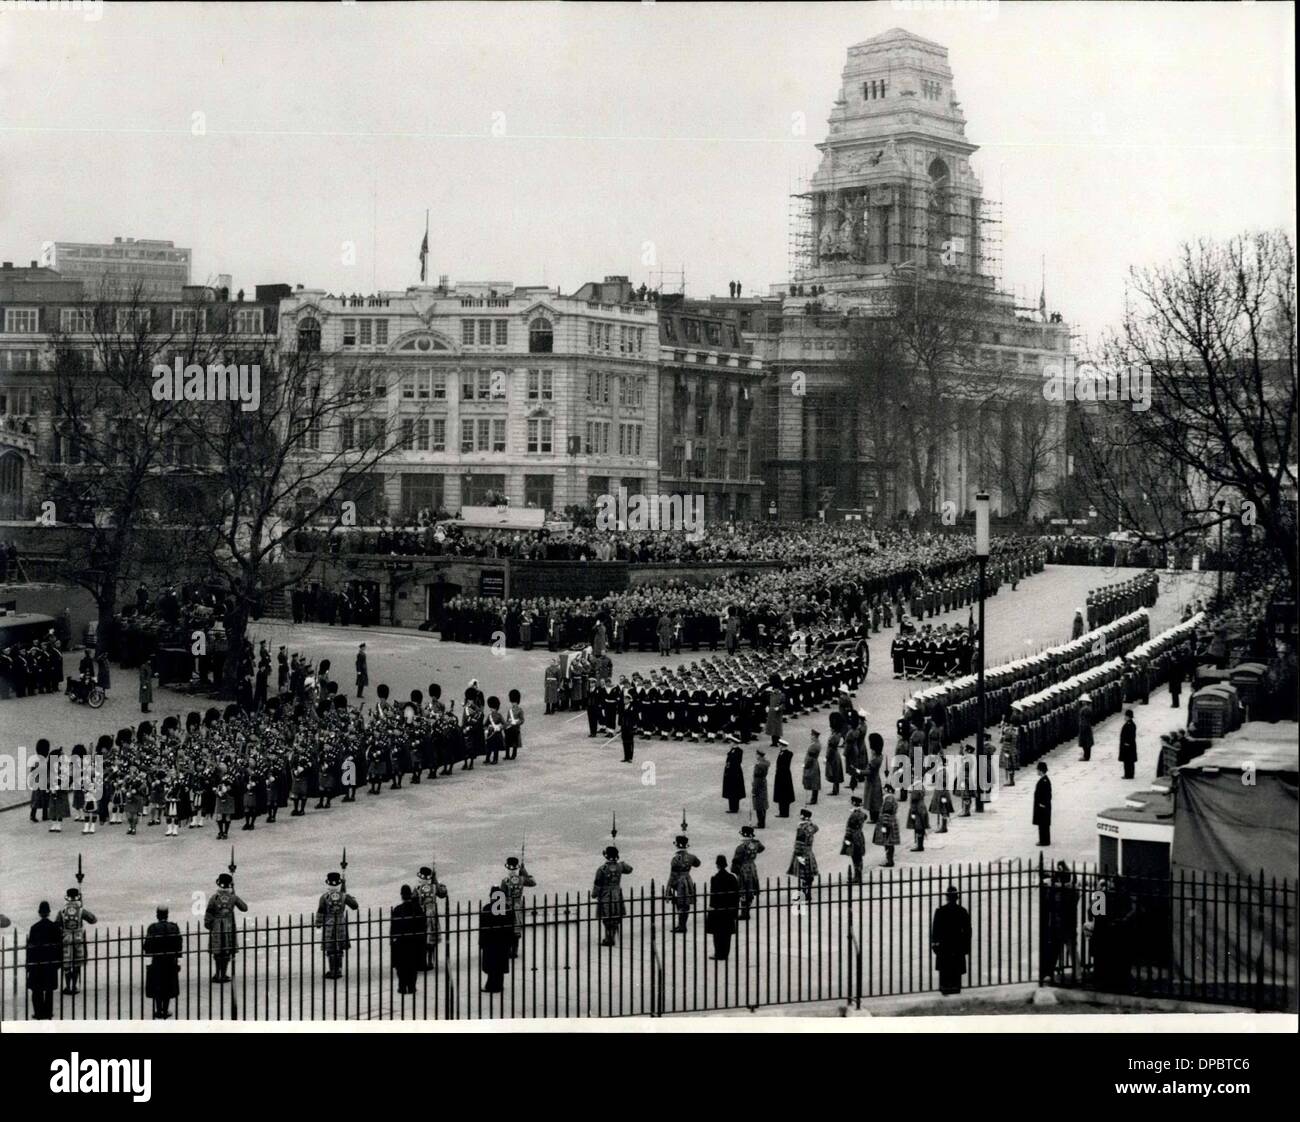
x=982, y=559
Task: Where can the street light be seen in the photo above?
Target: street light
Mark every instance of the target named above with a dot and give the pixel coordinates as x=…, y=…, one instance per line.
x=982, y=558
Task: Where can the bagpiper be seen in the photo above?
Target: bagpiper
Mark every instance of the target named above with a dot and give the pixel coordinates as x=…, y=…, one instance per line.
x=743, y=865
x=681, y=888
x=803, y=862
x=73, y=918
x=219, y=919
x=331, y=918
x=514, y=882
x=608, y=890
x=427, y=893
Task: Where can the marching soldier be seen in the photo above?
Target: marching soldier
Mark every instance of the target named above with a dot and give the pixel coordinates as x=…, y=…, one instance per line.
x=514, y=883
x=855, y=842
x=427, y=894
x=743, y=865
x=803, y=862
x=219, y=919
x=331, y=918
x=681, y=888
x=72, y=923
x=608, y=891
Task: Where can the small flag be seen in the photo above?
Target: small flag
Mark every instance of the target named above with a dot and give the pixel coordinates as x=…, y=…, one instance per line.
x=1042, y=304
x=424, y=256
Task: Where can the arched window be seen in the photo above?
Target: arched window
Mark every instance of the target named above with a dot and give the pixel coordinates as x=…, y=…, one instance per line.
x=309, y=335
x=541, y=339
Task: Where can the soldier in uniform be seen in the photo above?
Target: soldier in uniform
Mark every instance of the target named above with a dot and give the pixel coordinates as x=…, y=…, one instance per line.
x=681, y=888
x=886, y=833
x=758, y=788
x=514, y=723
x=855, y=842
x=331, y=918
x=427, y=894
x=219, y=919
x=803, y=862
x=608, y=891
x=514, y=882
x=743, y=865
x=733, y=778
x=73, y=918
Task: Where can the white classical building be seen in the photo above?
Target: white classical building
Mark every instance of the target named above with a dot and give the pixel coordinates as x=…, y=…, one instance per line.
x=492, y=392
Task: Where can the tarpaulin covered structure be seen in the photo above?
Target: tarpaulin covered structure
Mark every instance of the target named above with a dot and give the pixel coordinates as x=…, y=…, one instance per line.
x=1236, y=830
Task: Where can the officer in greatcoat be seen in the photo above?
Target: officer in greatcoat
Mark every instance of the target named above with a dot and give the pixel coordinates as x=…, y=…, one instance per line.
x=950, y=941
x=163, y=945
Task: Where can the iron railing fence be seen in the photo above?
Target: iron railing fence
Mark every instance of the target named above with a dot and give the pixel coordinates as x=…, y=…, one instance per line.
x=1193, y=937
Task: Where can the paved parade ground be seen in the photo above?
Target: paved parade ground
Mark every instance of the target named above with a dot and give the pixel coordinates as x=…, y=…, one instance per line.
x=558, y=798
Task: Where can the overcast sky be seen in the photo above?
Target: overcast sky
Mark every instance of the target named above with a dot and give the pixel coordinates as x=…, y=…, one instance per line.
x=1110, y=132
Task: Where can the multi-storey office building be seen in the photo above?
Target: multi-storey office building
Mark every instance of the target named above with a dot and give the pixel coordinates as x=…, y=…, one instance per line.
x=492, y=392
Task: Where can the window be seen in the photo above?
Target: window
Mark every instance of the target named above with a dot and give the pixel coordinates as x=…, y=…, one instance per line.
x=349, y=332
x=502, y=327
x=483, y=434
x=381, y=332
x=378, y=383
x=483, y=385
x=467, y=385
x=733, y=337
x=132, y=319
x=347, y=434
x=467, y=333
x=541, y=385
x=309, y=335
x=597, y=388
x=713, y=333
x=83, y=319
x=22, y=321
x=541, y=339
x=367, y=332
x=417, y=384
x=540, y=435
x=669, y=332
x=485, y=332
x=692, y=331
x=22, y=360
x=248, y=321
x=438, y=439
x=499, y=434
x=420, y=492
x=467, y=435
x=539, y=491
x=407, y=441
x=439, y=385
x=597, y=438
x=183, y=319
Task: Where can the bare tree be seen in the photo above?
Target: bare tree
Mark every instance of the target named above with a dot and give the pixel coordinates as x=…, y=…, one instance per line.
x=1212, y=335
x=286, y=466
x=115, y=450
x=1020, y=455
x=916, y=365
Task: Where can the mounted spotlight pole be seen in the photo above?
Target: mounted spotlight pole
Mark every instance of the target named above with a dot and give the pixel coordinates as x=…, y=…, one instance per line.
x=982, y=558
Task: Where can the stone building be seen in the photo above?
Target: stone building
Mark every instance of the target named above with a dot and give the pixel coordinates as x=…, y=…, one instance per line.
x=895, y=204
x=124, y=267
x=709, y=380
x=493, y=392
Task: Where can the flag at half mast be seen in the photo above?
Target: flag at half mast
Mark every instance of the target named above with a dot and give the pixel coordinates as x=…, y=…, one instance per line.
x=424, y=251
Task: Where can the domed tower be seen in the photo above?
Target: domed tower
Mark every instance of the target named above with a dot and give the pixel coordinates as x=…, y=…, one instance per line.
x=895, y=185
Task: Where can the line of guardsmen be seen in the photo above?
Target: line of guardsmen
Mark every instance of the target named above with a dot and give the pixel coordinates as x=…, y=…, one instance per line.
x=1062, y=710
x=1114, y=600
x=34, y=668
x=940, y=651
x=954, y=705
